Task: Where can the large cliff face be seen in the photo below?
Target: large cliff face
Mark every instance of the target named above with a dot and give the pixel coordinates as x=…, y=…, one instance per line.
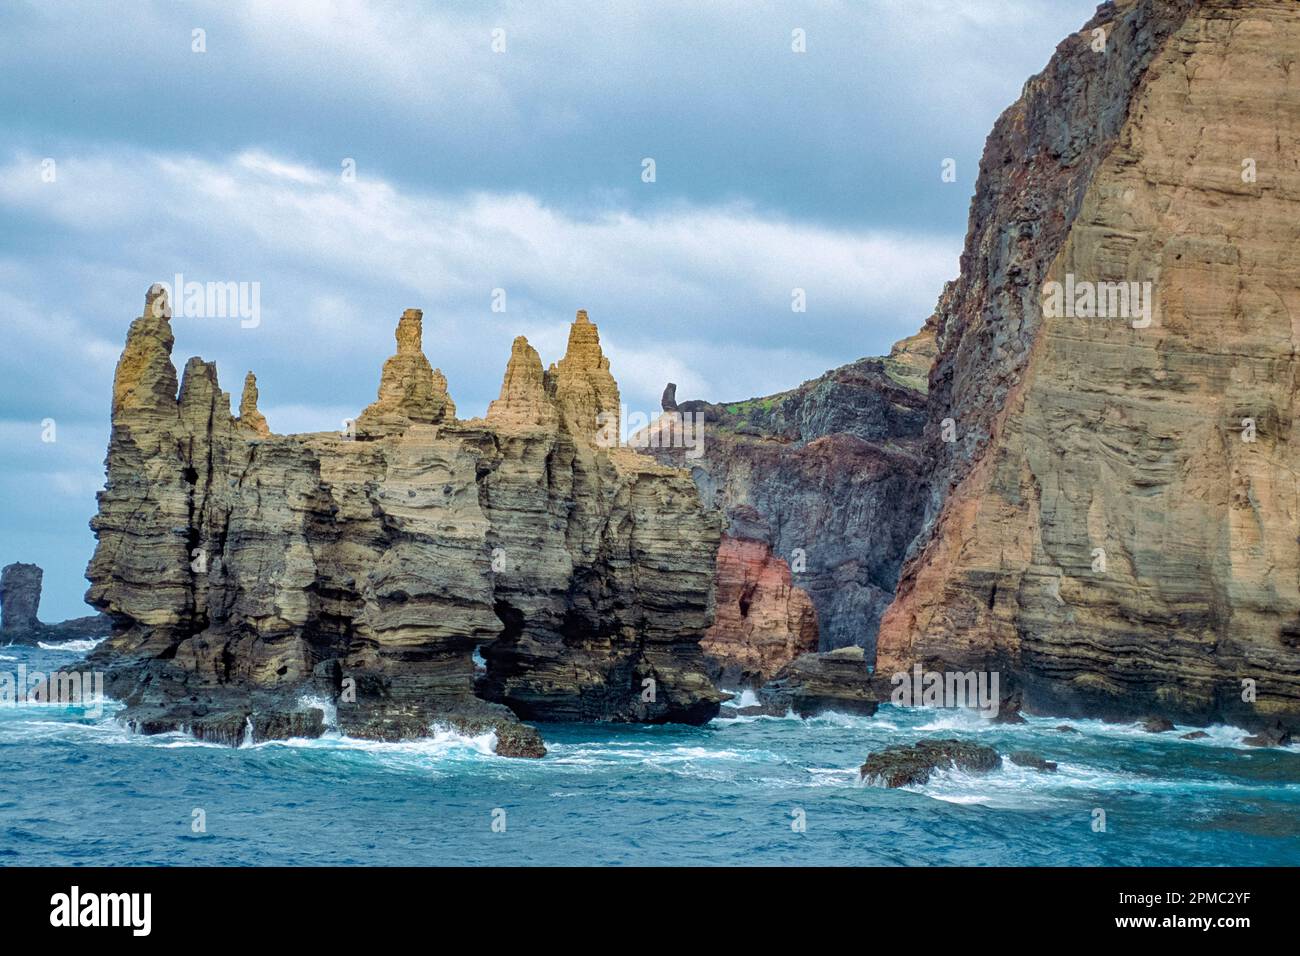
x=243, y=569
x=1099, y=530
x=822, y=493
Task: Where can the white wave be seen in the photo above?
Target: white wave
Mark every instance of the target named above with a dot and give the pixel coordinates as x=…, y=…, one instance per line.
x=73, y=647
x=328, y=709
x=6, y=657
x=742, y=698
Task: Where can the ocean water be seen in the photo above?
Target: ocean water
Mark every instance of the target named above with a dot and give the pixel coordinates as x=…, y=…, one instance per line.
x=81, y=790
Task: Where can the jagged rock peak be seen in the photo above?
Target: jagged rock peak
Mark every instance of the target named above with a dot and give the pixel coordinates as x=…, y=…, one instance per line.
x=523, y=398
x=410, y=332
x=584, y=388
x=410, y=390
x=145, y=380
x=249, y=416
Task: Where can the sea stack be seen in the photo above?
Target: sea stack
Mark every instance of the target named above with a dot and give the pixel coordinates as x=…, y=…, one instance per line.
x=248, y=571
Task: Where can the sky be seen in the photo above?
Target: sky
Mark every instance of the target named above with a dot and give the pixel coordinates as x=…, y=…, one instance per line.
x=485, y=162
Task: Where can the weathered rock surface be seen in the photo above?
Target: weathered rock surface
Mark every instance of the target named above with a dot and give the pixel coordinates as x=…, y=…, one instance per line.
x=1025, y=758
x=813, y=684
x=821, y=491
x=763, y=622
x=904, y=765
x=1098, y=531
x=257, y=581
x=20, y=601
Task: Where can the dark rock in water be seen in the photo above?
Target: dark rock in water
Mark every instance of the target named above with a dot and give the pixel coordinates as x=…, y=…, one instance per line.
x=815, y=683
x=903, y=765
x=1276, y=736
x=1009, y=709
x=1023, y=758
x=20, y=599
x=1194, y=735
x=1066, y=729
x=1157, y=725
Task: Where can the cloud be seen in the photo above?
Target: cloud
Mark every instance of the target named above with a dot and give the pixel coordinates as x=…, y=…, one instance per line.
x=703, y=292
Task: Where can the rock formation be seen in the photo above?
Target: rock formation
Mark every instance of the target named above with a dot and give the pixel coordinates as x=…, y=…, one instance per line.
x=1113, y=512
x=250, y=575
x=904, y=766
x=1103, y=507
x=821, y=489
x=20, y=602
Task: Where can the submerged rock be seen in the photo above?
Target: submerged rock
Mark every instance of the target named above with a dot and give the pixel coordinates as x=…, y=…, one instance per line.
x=1194, y=735
x=904, y=765
x=1024, y=758
x=1157, y=725
x=1275, y=736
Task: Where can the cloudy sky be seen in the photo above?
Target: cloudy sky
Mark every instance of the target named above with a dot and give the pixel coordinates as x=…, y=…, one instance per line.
x=127, y=156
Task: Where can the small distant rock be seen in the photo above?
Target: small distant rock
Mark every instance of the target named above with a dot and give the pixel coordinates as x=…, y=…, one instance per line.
x=903, y=765
x=1066, y=729
x=1157, y=725
x=1194, y=735
x=1023, y=758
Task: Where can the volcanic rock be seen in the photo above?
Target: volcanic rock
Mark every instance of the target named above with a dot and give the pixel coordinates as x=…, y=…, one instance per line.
x=821, y=490
x=1024, y=758
x=1275, y=736
x=20, y=601
x=813, y=684
x=250, y=575
x=1111, y=518
x=903, y=765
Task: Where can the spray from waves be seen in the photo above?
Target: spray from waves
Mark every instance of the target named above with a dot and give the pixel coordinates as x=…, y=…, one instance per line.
x=329, y=710
x=73, y=647
x=743, y=698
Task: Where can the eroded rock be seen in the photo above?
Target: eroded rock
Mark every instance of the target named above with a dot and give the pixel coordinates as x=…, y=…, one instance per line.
x=247, y=571
x=911, y=765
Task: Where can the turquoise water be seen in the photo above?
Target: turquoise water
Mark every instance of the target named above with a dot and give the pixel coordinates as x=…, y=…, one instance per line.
x=77, y=790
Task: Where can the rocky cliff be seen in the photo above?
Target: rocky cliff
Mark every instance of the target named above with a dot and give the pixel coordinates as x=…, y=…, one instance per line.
x=20, y=602
x=258, y=582
x=821, y=490
x=1112, y=518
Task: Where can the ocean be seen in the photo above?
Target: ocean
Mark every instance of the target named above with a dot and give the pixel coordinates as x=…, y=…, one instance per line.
x=82, y=790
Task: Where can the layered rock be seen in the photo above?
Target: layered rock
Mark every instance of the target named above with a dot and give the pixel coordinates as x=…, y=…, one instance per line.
x=839, y=681
x=255, y=579
x=821, y=489
x=1097, y=528
x=20, y=602
x=763, y=621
